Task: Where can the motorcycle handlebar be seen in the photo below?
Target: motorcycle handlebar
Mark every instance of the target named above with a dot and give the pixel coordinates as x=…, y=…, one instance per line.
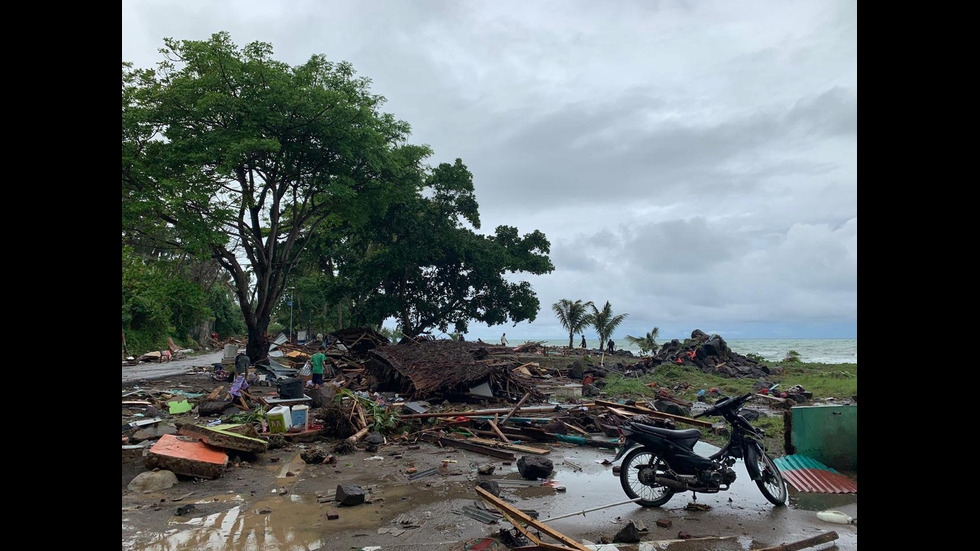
x=723, y=403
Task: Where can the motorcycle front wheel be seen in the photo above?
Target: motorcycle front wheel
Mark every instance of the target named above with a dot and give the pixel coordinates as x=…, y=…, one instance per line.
x=771, y=484
x=629, y=476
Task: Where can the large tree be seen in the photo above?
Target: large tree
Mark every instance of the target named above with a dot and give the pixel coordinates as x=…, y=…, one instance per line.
x=573, y=316
x=424, y=265
x=605, y=322
x=243, y=157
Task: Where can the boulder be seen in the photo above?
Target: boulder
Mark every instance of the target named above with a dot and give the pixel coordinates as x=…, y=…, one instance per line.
x=672, y=408
x=630, y=533
x=491, y=486
x=576, y=370
x=373, y=440
x=533, y=467
x=152, y=481
x=350, y=494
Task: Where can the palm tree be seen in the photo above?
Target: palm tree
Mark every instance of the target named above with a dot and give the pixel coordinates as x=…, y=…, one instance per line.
x=573, y=316
x=647, y=342
x=605, y=323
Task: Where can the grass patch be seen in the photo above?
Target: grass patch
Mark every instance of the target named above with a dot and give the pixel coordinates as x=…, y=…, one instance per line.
x=823, y=380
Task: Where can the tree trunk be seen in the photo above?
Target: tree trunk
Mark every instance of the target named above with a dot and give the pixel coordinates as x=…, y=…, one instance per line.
x=571, y=342
x=258, y=345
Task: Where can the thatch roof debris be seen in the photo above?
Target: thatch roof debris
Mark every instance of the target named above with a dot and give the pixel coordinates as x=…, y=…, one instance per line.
x=424, y=368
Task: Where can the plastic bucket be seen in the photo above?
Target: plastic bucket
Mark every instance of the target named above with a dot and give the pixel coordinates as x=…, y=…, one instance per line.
x=280, y=419
x=300, y=417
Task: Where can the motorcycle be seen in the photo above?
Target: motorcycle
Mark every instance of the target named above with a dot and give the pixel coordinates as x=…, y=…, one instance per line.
x=660, y=462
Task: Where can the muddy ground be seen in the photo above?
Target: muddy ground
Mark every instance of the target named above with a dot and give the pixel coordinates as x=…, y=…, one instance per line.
x=275, y=501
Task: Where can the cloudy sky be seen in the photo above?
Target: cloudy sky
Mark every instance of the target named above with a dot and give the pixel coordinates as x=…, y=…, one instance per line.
x=694, y=163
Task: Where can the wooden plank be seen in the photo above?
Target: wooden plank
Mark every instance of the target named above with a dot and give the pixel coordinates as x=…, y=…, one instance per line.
x=634, y=410
x=469, y=446
x=803, y=544
x=532, y=409
x=515, y=447
x=214, y=393
x=517, y=407
x=493, y=426
x=502, y=506
x=576, y=429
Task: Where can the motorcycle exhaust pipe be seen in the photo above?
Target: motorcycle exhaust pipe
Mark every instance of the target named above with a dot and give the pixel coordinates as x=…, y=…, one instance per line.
x=672, y=484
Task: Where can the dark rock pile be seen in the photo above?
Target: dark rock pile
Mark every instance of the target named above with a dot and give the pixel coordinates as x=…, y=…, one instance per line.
x=710, y=354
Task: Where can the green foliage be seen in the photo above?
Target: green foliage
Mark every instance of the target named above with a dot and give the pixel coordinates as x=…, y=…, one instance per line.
x=384, y=418
x=573, y=316
x=646, y=343
x=255, y=156
x=420, y=263
x=605, y=322
x=227, y=315
x=792, y=356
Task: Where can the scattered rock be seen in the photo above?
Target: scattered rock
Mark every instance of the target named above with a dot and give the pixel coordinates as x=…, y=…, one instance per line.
x=486, y=469
x=153, y=481
x=664, y=523
x=184, y=509
x=373, y=440
x=491, y=486
x=534, y=468
x=630, y=533
x=683, y=535
x=350, y=494
x=314, y=456
x=264, y=511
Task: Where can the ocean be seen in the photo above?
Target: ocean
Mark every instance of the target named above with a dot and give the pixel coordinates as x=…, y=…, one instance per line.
x=829, y=351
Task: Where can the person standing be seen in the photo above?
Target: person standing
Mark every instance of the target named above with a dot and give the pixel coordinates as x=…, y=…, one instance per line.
x=503, y=339
x=242, y=362
x=583, y=342
x=317, y=363
x=610, y=345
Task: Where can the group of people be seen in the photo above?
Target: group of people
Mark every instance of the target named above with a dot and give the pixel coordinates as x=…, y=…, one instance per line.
x=610, y=346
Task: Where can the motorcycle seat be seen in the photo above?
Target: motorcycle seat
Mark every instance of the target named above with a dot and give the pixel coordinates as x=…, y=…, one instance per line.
x=686, y=437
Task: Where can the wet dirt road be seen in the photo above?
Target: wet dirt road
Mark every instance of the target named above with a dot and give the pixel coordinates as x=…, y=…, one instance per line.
x=279, y=503
x=157, y=370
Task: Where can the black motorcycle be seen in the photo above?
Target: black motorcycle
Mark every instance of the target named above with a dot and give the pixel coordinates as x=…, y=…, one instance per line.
x=661, y=462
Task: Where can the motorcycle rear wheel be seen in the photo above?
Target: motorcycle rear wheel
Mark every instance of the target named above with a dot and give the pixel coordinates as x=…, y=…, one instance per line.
x=651, y=496
x=772, y=485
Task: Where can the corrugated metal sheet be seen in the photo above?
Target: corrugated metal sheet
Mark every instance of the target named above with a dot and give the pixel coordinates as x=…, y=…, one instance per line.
x=809, y=475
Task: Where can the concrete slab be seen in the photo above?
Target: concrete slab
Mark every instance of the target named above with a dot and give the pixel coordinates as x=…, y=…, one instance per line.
x=222, y=436
x=187, y=457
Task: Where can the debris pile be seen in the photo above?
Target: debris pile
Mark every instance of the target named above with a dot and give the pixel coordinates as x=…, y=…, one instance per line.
x=448, y=368
x=710, y=354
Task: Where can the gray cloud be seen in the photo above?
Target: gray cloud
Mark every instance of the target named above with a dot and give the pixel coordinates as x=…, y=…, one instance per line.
x=694, y=163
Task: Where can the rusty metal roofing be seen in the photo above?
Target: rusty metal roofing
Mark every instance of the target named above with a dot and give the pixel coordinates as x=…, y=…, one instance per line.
x=809, y=475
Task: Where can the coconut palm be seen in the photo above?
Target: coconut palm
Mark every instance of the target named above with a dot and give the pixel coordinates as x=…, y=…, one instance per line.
x=605, y=323
x=646, y=343
x=573, y=316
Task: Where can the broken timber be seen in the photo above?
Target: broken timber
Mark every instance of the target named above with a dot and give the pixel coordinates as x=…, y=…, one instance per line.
x=221, y=436
x=508, y=446
x=532, y=409
x=469, y=446
x=647, y=411
x=803, y=544
x=512, y=514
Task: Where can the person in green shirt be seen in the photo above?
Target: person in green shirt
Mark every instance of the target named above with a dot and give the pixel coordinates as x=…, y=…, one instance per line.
x=317, y=363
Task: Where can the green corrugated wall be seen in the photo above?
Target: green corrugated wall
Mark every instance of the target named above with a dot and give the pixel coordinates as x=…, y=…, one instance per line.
x=827, y=434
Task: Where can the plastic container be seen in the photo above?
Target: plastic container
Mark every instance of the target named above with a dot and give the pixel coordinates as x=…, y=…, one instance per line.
x=280, y=419
x=300, y=417
x=290, y=388
x=837, y=517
